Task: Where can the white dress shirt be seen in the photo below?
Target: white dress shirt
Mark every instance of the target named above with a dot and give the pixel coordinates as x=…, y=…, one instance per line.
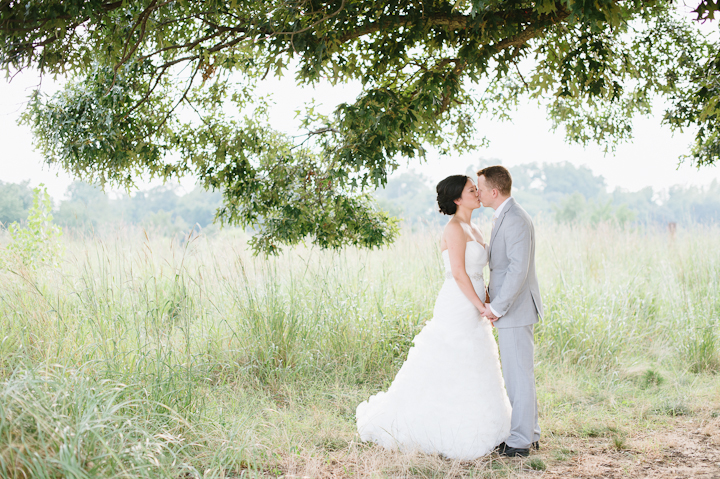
x=501, y=208
x=496, y=215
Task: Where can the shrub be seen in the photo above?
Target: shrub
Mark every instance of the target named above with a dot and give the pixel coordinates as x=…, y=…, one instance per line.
x=36, y=243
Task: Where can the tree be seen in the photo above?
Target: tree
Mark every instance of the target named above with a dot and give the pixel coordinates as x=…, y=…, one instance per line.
x=527, y=188
x=409, y=196
x=565, y=178
x=641, y=203
x=15, y=202
x=85, y=208
x=700, y=205
x=139, y=69
x=150, y=202
x=198, y=207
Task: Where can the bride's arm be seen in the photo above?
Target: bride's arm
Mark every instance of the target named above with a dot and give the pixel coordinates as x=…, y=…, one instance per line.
x=456, y=242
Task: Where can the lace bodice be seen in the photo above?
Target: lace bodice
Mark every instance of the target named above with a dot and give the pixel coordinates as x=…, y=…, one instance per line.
x=475, y=260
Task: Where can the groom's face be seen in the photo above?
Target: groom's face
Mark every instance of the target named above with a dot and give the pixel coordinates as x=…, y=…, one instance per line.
x=485, y=192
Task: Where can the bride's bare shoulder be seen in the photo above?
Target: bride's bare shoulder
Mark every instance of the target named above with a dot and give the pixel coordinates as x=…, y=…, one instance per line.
x=453, y=226
x=453, y=231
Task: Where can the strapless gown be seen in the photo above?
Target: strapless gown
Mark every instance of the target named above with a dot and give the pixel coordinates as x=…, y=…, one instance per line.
x=449, y=396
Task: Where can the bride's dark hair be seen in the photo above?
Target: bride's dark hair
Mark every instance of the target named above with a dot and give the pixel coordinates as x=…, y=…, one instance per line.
x=449, y=190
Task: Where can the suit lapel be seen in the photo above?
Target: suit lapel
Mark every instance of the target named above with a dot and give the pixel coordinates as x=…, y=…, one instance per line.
x=498, y=222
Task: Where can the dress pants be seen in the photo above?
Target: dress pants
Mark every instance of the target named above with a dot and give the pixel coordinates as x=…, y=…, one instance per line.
x=517, y=347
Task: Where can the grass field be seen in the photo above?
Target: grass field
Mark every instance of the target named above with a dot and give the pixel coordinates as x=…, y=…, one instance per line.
x=164, y=358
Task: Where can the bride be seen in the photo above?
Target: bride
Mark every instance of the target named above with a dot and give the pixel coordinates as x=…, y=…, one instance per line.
x=449, y=396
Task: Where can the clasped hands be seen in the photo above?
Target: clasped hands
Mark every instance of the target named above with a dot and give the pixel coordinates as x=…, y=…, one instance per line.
x=489, y=314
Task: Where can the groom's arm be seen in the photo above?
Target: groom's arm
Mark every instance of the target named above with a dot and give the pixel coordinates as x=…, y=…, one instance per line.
x=518, y=250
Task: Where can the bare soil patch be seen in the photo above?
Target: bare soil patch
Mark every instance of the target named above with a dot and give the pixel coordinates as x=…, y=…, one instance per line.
x=688, y=449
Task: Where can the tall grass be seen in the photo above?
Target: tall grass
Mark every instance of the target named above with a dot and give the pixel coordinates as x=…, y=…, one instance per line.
x=157, y=357
x=616, y=296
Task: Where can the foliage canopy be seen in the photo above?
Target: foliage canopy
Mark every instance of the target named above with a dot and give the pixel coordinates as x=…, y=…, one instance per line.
x=166, y=87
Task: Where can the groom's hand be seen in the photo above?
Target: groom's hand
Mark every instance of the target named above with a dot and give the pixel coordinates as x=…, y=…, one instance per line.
x=488, y=313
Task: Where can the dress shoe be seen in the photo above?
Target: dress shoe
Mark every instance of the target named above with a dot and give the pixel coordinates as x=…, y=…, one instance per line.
x=515, y=452
x=500, y=448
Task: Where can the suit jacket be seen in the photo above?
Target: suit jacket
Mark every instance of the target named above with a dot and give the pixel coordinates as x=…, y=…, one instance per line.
x=514, y=291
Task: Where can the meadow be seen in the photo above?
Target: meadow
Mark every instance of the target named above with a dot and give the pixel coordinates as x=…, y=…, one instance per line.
x=143, y=356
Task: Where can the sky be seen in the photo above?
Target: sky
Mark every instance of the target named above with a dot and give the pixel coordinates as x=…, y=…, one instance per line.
x=650, y=159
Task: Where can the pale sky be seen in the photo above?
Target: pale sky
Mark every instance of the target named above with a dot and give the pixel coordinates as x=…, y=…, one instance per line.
x=650, y=159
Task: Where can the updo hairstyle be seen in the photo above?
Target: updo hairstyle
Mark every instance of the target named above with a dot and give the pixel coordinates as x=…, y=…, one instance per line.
x=449, y=190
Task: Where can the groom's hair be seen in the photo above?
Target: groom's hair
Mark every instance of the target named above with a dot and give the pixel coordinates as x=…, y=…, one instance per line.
x=498, y=177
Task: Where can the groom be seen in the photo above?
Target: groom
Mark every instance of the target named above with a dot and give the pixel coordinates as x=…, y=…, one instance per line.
x=515, y=304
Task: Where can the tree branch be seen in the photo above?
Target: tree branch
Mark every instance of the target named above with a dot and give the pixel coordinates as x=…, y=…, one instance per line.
x=314, y=24
x=455, y=21
x=460, y=22
x=147, y=95
x=142, y=21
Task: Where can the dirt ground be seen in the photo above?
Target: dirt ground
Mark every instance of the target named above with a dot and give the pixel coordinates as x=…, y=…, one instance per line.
x=684, y=447
x=690, y=449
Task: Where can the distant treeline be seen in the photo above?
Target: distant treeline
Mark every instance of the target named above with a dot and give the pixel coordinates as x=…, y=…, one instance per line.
x=566, y=194
x=558, y=191
x=88, y=208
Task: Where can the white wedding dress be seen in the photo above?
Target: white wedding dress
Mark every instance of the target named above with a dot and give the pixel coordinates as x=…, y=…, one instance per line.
x=449, y=396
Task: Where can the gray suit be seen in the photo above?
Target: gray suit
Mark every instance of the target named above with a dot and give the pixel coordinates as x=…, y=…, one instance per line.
x=515, y=297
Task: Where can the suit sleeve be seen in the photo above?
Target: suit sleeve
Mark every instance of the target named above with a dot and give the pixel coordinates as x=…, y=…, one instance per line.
x=518, y=248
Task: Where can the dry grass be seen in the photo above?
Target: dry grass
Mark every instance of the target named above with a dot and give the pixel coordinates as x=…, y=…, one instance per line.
x=212, y=363
x=681, y=447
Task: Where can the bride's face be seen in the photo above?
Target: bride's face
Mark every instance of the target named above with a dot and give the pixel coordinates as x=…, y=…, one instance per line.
x=469, y=198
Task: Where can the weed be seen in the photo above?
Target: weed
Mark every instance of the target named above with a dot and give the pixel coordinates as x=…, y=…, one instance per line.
x=332, y=444
x=593, y=431
x=563, y=454
x=672, y=408
x=701, y=349
x=36, y=243
x=537, y=464
x=425, y=471
x=651, y=378
x=619, y=443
